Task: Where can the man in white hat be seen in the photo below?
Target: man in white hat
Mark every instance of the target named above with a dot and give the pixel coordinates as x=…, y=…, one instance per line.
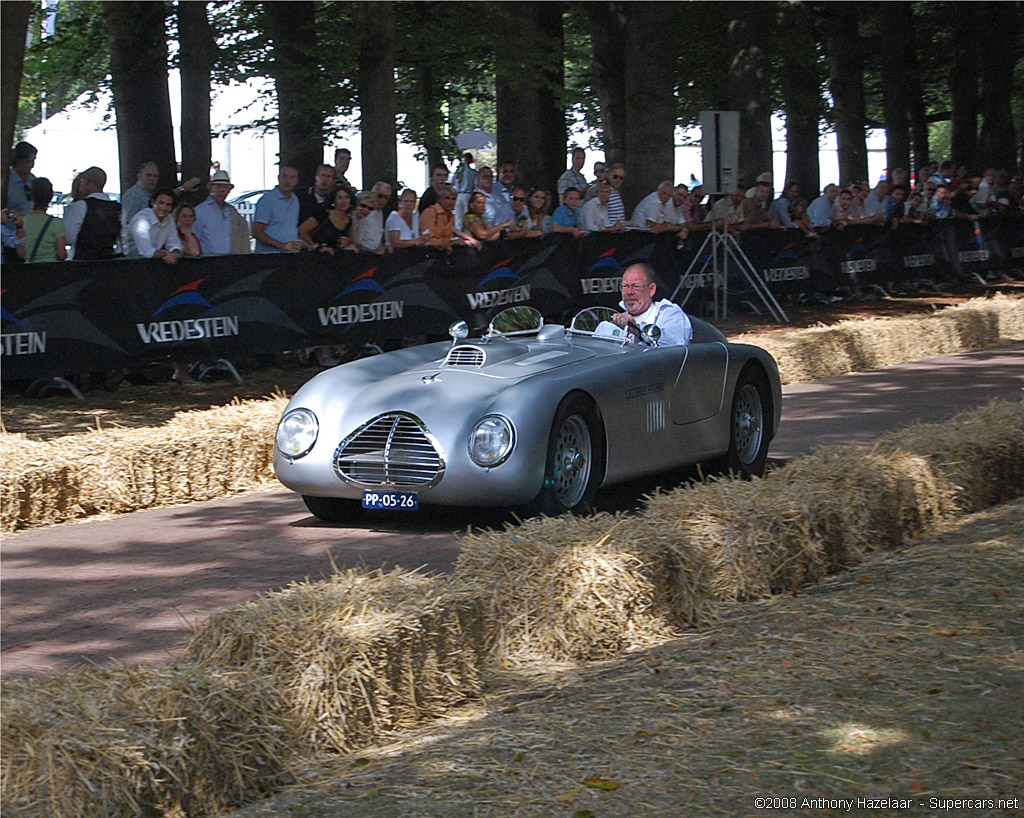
x=219, y=227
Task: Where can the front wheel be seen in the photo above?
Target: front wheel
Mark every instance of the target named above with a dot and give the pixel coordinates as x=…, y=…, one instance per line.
x=574, y=462
x=333, y=509
x=749, y=431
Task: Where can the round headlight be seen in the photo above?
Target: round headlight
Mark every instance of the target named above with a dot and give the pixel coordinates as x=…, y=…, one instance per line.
x=491, y=441
x=296, y=433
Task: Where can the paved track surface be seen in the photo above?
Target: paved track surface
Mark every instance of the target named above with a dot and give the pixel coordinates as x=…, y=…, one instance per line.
x=129, y=590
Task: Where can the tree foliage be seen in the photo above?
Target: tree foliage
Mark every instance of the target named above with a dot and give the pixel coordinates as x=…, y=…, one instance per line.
x=925, y=69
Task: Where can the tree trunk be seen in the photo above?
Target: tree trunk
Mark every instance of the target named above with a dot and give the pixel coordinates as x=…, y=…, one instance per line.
x=433, y=126
x=377, y=109
x=963, y=92
x=300, y=110
x=908, y=41
x=997, y=140
x=846, y=80
x=137, y=36
x=801, y=99
x=893, y=19
x=750, y=28
x=531, y=122
x=650, y=100
x=14, y=17
x=196, y=57
x=608, y=38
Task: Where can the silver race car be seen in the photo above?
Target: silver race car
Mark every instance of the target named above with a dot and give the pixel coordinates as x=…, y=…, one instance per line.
x=529, y=416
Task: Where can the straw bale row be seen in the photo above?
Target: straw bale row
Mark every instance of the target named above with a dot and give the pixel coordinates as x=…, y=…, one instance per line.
x=318, y=666
x=143, y=741
x=575, y=589
x=199, y=455
x=862, y=344
x=331, y=665
x=570, y=590
x=355, y=655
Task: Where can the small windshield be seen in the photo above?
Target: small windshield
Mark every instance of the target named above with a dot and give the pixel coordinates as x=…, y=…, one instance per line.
x=516, y=321
x=597, y=322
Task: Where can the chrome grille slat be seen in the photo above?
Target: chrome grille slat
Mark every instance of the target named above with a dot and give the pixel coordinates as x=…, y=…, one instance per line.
x=465, y=356
x=394, y=449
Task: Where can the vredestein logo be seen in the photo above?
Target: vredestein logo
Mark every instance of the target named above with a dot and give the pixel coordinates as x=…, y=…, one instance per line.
x=607, y=275
x=25, y=342
x=979, y=254
x=380, y=310
x=920, y=255
x=864, y=261
x=786, y=266
x=484, y=299
x=171, y=330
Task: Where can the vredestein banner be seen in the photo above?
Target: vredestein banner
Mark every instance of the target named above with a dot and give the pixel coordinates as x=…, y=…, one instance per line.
x=69, y=318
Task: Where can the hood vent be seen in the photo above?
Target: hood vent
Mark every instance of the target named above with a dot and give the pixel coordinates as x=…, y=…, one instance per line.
x=465, y=356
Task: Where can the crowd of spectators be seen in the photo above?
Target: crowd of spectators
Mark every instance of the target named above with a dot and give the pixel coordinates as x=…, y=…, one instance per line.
x=484, y=204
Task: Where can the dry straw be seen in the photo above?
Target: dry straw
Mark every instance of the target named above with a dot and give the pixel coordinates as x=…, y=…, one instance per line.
x=333, y=664
x=161, y=741
x=355, y=655
x=869, y=343
x=579, y=589
x=200, y=455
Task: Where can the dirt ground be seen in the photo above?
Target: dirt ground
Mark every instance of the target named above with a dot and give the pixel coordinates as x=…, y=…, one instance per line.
x=899, y=679
x=131, y=406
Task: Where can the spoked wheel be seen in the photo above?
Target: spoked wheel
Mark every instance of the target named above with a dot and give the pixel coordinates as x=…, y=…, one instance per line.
x=749, y=432
x=574, y=464
x=333, y=509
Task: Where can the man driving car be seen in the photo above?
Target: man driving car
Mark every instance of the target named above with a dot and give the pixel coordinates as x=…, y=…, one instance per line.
x=641, y=310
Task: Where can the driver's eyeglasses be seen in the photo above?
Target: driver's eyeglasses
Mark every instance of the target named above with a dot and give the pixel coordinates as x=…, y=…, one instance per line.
x=634, y=287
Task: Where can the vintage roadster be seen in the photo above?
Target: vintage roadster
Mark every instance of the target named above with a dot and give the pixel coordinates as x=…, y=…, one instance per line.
x=531, y=416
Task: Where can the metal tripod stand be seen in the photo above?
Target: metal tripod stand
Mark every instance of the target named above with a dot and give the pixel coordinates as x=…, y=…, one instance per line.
x=725, y=248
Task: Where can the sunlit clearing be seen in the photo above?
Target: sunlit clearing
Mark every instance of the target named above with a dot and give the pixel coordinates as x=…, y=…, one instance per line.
x=859, y=739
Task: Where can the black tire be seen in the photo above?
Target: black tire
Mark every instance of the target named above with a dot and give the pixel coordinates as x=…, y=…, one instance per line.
x=749, y=425
x=574, y=463
x=333, y=509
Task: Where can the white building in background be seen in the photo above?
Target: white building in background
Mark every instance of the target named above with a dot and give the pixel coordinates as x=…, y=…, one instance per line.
x=78, y=137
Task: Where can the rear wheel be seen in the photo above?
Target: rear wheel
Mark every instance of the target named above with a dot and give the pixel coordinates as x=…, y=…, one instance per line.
x=574, y=463
x=749, y=432
x=333, y=509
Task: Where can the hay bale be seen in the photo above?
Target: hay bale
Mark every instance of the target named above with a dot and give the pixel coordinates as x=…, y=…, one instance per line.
x=40, y=483
x=578, y=589
x=199, y=455
x=354, y=655
x=755, y=536
x=165, y=741
x=862, y=344
x=980, y=452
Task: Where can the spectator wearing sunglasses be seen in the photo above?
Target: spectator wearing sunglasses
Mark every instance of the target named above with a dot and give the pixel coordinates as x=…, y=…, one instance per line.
x=616, y=207
x=520, y=216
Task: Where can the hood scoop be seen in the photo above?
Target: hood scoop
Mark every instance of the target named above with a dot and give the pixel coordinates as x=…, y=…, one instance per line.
x=465, y=356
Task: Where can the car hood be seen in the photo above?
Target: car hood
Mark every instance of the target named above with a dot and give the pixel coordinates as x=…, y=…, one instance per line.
x=431, y=381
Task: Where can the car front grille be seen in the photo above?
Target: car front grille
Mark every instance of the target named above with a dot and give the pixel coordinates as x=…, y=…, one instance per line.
x=465, y=356
x=394, y=449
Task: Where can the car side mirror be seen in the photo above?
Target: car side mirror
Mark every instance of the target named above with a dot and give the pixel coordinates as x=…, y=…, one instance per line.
x=459, y=331
x=650, y=335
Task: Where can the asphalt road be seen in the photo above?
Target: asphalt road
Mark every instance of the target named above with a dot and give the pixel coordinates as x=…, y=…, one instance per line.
x=128, y=590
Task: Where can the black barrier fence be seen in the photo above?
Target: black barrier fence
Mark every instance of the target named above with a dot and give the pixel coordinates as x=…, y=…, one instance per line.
x=62, y=319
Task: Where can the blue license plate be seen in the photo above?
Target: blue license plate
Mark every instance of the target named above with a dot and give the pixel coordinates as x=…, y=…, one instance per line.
x=391, y=500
